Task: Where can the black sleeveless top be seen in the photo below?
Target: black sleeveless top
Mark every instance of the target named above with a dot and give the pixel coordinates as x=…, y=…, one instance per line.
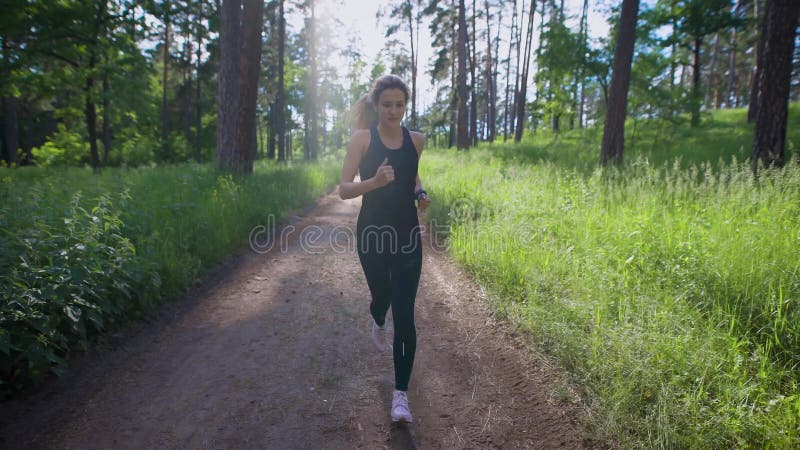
x=393, y=204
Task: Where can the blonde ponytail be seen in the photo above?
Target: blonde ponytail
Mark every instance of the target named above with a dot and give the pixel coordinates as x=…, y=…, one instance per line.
x=363, y=114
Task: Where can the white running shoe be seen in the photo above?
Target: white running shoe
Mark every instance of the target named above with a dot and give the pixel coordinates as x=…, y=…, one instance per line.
x=379, y=336
x=400, y=411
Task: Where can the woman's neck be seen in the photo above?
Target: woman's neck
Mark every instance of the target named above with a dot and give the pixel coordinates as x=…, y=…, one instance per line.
x=389, y=130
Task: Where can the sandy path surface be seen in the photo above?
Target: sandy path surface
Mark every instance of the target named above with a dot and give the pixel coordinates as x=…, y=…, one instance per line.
x=273, y=351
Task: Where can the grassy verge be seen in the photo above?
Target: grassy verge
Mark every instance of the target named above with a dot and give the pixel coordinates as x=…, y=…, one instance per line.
x=80, y=253
x=670, y=291
x=723, y=136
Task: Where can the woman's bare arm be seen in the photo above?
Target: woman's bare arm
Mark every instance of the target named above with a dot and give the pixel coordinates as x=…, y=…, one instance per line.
x=356, y=149
x=419, y=143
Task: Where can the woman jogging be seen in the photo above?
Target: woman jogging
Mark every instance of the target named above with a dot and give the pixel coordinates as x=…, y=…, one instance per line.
x=386, y=155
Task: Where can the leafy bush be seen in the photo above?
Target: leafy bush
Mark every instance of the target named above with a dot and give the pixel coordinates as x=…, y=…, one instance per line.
x=62, y=149
x=132, y=151
x=65, y=283
x=81, y=253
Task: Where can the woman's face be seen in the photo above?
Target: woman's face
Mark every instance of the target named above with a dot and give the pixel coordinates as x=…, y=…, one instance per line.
x=391, y=106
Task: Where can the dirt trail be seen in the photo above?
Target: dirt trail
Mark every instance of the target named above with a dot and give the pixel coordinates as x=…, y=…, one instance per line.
x=273, y=351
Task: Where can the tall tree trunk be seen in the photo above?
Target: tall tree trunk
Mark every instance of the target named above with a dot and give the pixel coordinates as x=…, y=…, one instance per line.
x=732, y=98
x=250, y=63
x=490, y=101
x=682, y=80
x=517, y=71
x=453, y=79
x=473, y=94
x=752, y=108
x=27, y=137
x=696, y=94
x=581, y=105
x=523, y=85
x=584, y=34
x=257, y=141
x=49, y=126
x=539, y=53
x=311, y=143
x=496, y=71
x=463, y=135
x=90, y=114
x=271, y=127
x=506, y=107
x=280, y=102
x=673, y=55
x=228, y=85
x=106, y=119
x=198, y=117
x=164, y=112
x=414, y=54
x=574, y=95
x=614, y=129
x=324, y=132
x=187, y=103
x=90, y=110
x=794, y=95
x=10, y=122
x=712, y=93
x=774, y=84
x=11, y=129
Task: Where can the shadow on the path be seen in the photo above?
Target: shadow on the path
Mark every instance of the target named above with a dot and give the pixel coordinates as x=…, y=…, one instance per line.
x=401, y=437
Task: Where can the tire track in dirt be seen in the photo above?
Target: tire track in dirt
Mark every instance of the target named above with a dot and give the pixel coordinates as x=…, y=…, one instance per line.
x=272, y=351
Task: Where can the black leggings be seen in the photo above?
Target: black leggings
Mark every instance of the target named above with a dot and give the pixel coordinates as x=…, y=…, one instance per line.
x=393, y=278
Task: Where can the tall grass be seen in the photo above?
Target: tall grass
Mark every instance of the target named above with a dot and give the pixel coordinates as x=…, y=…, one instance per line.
x=671, y=291
x=80, y=253
x=722, y=136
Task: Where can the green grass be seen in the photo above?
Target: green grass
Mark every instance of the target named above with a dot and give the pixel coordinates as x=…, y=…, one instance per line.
x=722, y=136
x=668, y=288
x=80, y=253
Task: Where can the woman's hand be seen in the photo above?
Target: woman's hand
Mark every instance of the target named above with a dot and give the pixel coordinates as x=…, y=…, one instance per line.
x=422, y=199
x=423, y=202
x=384, y=175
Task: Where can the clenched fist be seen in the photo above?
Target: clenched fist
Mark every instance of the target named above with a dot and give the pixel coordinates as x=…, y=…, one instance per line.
x=385, y=174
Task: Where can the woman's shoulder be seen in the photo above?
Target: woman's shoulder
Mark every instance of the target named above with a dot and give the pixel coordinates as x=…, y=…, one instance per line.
x=360, y=133
x=361, y=136
x=418, y=138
